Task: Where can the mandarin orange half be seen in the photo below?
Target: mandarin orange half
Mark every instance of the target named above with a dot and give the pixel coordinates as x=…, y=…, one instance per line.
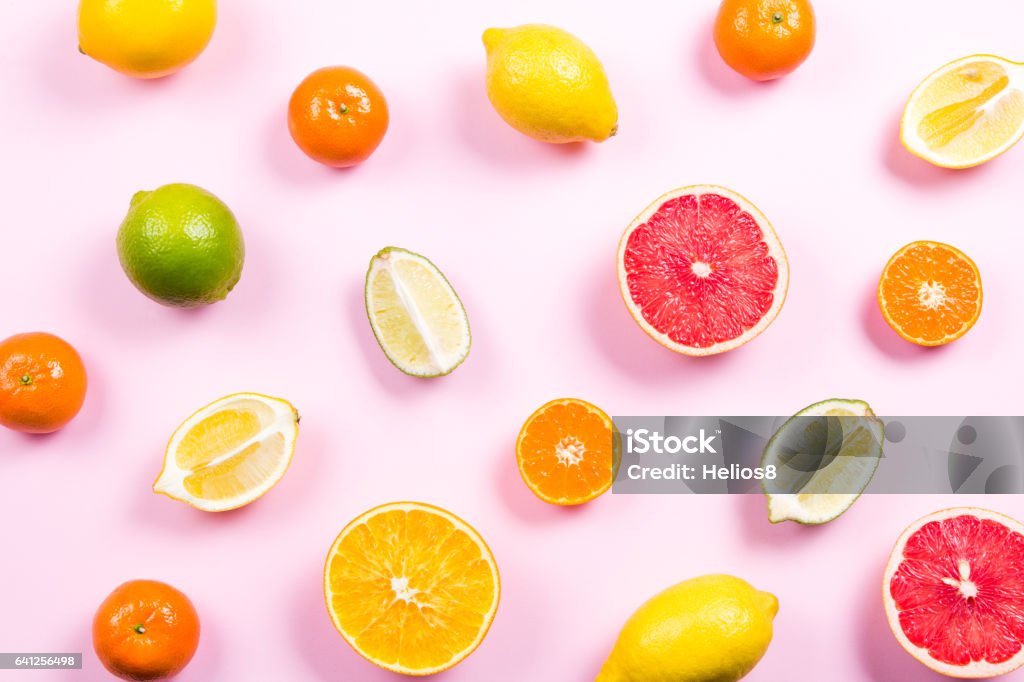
x=930, y=293
x=567, y=452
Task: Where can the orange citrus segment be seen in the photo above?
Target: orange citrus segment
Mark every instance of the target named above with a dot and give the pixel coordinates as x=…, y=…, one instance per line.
x=567, y=452
x=930, y=293
x=411, y=587
x=966, y=113
x=230, y=452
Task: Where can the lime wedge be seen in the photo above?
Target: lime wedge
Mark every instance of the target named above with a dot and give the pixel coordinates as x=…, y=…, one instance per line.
x=415, y=314
x=825, y=455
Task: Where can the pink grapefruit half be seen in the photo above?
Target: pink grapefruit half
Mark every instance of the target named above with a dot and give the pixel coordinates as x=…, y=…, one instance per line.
x=954, y=592
x=702, y=271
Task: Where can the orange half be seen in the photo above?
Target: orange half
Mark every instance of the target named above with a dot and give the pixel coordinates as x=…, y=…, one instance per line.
x=411, y=587
x=930, y=293
x=965, y=113
x=567, y=452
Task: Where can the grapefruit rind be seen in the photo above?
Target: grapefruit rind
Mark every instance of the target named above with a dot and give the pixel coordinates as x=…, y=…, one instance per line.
x=911, y=117
x=434, y=365
x=976, y=669
x=769, y=237
x=171, y=480
x=949, y=338
x=818, y=508
x=485, y=552
x=534, y=488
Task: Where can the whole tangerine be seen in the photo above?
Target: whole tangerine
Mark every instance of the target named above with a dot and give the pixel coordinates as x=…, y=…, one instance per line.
x=42, y=382
x=337, y=116
x=145, y=630
x=764, y=39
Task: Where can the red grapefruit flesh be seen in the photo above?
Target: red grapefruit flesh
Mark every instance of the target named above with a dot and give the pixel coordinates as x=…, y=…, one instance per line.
x=702, y=271
x=954, y=592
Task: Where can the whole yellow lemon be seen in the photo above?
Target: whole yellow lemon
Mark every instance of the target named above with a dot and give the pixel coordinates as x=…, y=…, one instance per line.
x=546, y=83
x=145, y=38
x=709, y=629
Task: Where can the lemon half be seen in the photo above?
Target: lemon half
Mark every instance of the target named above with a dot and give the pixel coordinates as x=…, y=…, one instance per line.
x=230, y=452
x=965, y=113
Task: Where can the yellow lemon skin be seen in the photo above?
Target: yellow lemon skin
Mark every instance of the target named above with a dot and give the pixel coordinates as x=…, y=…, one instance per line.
x=714, y=628
x=145, y=38
x=546, y=83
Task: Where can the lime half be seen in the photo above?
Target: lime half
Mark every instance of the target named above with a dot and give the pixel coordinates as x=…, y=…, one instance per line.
x=824, y=456
x=415, y=314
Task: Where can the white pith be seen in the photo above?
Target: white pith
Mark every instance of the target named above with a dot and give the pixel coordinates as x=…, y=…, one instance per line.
x=931, y=295
x=908, y=127
x=963, y=585
x=967, y=589
x=818, y=508
x=171, y=481
x=569, y=451
x=700, y=269
x=400, y=587
x=440, y=363
x=770, y=238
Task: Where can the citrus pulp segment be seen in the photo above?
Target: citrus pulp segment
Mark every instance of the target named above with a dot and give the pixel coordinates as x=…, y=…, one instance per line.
x=953, y=592
x=965, y=113
x=411, y=587
x=930, y=293
x=702, y=271
x=415, y=314
x=230, y=452
x=848, y=434
x=567, y=452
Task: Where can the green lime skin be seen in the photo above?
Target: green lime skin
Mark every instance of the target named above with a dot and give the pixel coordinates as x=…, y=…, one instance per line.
x=181, y=246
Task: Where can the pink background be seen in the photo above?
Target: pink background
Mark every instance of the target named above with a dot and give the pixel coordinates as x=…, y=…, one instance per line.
x=527, y=234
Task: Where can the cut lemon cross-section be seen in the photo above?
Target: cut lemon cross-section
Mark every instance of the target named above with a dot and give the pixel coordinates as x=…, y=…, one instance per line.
x=230, y=452
x=965, y=113
x=567, y=452
x=829, y=452
x=415, y=314
x=411, y=587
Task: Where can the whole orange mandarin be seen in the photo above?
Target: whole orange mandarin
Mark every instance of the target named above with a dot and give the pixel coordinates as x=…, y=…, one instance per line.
x=145, y=630
x=764, y=39
x=337, y=116
x=42, y=382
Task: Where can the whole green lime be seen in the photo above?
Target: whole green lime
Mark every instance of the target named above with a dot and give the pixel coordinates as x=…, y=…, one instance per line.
x=181, y=246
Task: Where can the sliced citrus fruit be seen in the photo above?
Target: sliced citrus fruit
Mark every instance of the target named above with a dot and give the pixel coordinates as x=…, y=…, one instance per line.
x=567, y=452
x=930, y=293
x=965, y=113
x=415, y=314
x=828, y=452
x=702, y=271
x=230, y=452
x=954, y=592
x=411, y=587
